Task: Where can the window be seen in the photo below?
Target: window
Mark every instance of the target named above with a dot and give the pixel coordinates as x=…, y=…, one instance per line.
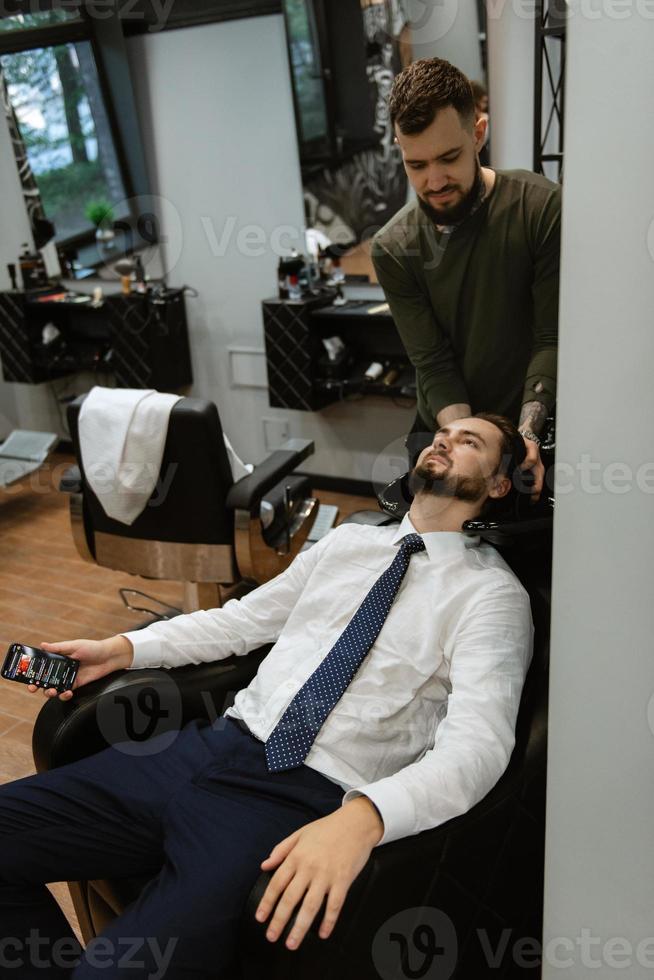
x=59, y=121
x=55, y=94
x=39, y=18
x=307, y=75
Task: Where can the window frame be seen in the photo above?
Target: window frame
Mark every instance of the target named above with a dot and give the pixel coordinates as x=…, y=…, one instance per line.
x=98, y=33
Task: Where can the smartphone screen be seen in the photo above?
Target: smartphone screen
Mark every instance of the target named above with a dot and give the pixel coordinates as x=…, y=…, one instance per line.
x=30, y=665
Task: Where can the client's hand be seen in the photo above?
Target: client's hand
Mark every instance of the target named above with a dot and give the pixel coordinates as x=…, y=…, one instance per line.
x=319, y=860
x=97, y=658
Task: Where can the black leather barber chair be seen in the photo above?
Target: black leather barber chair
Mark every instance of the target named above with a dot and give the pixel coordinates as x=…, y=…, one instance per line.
x=450, y=902
x=201, y=528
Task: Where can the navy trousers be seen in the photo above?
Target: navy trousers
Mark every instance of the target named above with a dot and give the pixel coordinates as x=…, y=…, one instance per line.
x=199, y=815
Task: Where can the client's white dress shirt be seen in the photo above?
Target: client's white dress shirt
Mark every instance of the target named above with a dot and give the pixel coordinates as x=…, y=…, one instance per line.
x=426, y=727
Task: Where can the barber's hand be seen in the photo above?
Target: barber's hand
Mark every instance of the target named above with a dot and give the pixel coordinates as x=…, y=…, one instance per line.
x=534, y=464
x=319, y=860
x=97, y=658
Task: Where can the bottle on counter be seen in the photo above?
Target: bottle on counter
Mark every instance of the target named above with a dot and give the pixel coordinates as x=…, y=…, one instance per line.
x=292, y=269
x=282, y=282
x=294, y=290
x=32, y=269
x=337, y=274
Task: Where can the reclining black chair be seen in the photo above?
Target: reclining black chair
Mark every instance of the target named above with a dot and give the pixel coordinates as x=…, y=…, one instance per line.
x=201, y=528
x=482, y=870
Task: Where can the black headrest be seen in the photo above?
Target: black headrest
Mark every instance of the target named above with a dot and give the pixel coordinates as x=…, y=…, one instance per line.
x=521, y=521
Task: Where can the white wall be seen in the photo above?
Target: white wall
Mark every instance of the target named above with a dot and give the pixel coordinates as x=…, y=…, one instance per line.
x=510, y=37
x=24, y=405
x=447, y=29
x=216, y=111
x=600, y=854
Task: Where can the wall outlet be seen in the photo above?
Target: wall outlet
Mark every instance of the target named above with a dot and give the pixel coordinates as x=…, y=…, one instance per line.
x=275, y=432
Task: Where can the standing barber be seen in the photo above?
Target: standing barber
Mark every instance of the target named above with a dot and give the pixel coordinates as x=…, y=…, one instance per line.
x=471, y=268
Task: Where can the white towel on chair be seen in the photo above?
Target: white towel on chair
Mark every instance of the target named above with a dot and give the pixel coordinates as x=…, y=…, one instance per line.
x=238, y=467
x=122, y=433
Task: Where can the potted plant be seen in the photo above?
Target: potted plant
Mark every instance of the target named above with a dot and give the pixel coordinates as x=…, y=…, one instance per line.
x=100, y=214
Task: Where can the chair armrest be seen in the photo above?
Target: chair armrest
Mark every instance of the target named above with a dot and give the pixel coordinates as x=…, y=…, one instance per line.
x=460, y=867
x=454, y=867
x=95, y=717
x=71, y=480
x=246, y=494
x=279, y=519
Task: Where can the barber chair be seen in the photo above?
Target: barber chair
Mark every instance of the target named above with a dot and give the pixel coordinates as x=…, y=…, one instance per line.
x=199, y=528
x=467, y=891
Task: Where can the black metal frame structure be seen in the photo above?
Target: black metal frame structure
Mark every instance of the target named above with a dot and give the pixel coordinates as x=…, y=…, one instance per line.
x=550, y=29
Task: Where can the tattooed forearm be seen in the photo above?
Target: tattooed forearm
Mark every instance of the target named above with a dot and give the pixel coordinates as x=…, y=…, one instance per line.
x=532, y=416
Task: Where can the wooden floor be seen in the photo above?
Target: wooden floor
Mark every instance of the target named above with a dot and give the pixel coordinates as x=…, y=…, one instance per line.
x=48, y=593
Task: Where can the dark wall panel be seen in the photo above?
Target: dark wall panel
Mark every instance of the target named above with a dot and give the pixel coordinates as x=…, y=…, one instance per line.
x=150, y=16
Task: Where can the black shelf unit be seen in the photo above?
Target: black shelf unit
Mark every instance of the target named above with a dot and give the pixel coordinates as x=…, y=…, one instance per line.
x=298, y=372
x=550, y=28
x=140, y=340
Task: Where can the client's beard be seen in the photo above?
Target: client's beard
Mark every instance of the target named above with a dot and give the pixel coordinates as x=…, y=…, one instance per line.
x=442, y=484
x=457, y=213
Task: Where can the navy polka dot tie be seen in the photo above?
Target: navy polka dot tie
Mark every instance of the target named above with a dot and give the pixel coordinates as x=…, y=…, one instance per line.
x=292, y=737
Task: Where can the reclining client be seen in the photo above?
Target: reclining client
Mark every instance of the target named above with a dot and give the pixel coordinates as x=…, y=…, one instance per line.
x=386, y=706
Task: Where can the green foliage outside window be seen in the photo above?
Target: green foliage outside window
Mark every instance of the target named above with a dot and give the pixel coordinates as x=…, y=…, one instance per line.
x=63, y=124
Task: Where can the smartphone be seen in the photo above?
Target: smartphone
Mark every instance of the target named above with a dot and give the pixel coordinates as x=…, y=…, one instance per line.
x=31, y=665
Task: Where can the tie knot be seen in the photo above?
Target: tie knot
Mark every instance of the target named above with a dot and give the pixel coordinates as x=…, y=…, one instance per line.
x=413, y=543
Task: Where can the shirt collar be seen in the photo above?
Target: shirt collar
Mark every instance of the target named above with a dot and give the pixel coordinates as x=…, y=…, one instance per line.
x=438, y=543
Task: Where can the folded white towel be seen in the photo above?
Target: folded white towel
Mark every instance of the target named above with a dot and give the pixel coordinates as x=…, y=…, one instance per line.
x=239, y=468
x=122, y=433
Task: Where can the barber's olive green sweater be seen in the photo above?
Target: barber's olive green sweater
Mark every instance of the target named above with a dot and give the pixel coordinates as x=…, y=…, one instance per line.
x=477, y=309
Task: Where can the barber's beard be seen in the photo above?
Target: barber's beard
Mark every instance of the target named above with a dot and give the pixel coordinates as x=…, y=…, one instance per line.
x=422, y=479
x=457, y=213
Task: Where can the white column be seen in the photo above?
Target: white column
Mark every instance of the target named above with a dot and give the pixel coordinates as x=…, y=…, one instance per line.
x=15, y=226
x=510, y=45
x=599, y=896
x=14, y=230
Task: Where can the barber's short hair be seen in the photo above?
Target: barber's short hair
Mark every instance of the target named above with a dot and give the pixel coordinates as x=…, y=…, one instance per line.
x=425, y=87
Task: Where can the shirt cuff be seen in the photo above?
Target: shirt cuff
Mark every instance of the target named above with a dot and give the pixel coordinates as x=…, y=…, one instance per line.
x=395, y=809
x=147, y=649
